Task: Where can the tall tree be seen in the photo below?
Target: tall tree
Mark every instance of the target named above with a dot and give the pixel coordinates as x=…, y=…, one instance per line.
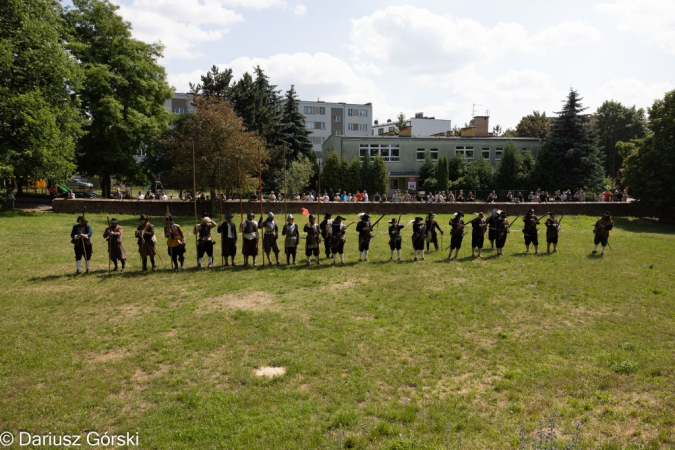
x=123, y=92
x=297, y=176
x=534, y=125
x=510, y=172
x=296, y=134
x=614, y=123
x=442, y=174
x=380, y=175
x=401, y=122
x=39, y=117
x=572, y=142
x=428, y=169
x=353, y=179
x=547, y=172
x=214, y=83
x=479, y=175
x=224, y=149
x=367, y=174
x=331, y=175
x=457, y=167
x=650, y=162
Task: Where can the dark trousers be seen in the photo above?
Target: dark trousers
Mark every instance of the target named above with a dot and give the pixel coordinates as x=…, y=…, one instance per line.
x=456, y=242
x=205, y=247
x=79, y=251
x=477, y=240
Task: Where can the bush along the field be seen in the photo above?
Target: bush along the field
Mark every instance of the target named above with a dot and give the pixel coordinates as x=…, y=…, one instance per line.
x=545, y=437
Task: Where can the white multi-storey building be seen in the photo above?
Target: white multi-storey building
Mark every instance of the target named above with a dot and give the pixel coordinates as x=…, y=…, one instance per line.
x=418, y=126
x=326, y=119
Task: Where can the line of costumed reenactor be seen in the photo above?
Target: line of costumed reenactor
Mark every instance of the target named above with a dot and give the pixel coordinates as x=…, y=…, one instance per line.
x=332, y=231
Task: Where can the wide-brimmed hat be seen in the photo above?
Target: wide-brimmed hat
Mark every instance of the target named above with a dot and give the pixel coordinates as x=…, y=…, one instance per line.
x=113, y=220
x=82, y=219
x=365, y=218
x=143, y=217
x=551, y=214
x=418, y=219
x=459, y=214
x=393, y=220
x=431, y=215
x=530, y=211
x=327, y=216
x=607, y=214
x=311, y=216
x=339, y=218
x=228, y=215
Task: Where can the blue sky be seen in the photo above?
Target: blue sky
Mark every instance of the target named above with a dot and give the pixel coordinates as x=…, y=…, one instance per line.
x=436, y=57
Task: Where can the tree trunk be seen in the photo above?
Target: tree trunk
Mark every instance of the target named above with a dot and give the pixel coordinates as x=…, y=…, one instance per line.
x=106, y=182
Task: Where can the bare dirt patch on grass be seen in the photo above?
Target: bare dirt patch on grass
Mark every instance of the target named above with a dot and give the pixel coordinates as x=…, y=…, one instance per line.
x=269, y=372
x=253, y=301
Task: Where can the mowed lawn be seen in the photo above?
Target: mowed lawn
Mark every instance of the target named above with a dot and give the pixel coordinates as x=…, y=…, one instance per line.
x=377, y=355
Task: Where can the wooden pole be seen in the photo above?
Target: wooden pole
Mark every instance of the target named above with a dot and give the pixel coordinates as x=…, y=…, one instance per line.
x=84, y=247
x=318, y=197
x=194, y=192
x=109, y=245
x=285, y=188
x=220, y=220
x=261, y=198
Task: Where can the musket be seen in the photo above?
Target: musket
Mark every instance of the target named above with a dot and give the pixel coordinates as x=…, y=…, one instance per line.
x=194, y=189
x=109, y=245
x=349, y=225
x=318, y=196
x=397, y=230
x=261, y=195
x=167, y=233
x=220, y=203
x=84, y=248
x=378, y=221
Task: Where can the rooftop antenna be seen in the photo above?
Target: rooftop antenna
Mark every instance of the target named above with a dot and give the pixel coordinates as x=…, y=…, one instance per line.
x=473, y=110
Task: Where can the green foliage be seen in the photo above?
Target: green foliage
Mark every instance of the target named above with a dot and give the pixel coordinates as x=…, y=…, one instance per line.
x=296, y=134
x=456, y=167
x=297, y=176
x=429, y=185
x=123, y=91
x=650, y=163
x=367, y=175
x=379, y=177
x=428, y=169
x=617, y=123
x=214, y=83
x=39, y=121
x=331, y=174
x=352, y=178
x=442, y=174
x=572, y=145
x=511, y=173
x=534, y=125
x=400, y=122
x=479, y=175
x=546, y=174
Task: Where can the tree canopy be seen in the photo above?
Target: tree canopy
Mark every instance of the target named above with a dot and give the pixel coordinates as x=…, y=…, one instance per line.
x=122, y=94
x=39, y=116
x=534, y=125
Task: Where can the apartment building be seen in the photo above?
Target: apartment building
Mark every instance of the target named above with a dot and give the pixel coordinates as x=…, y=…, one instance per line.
x=326, y=119
x=418, y=126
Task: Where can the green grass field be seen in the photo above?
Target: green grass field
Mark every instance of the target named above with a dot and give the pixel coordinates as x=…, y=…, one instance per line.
x=391, y=355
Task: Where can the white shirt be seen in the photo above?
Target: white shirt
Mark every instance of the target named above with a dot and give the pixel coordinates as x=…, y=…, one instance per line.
x=365, y=197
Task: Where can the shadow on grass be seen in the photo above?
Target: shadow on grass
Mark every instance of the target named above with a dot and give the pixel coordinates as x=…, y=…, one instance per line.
x=642, y=226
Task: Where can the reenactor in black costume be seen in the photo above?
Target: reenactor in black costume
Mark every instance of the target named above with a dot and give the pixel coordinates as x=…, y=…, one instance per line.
x=492, y=227
x=292, y=233
x=395, y=239
x=145, y=234
x=80, y=237
x=418, y=237
x=432, y=234
x=530, y=231
x=113, y=234
x=249, y=232
x=364, y=228
x=552, y=230
x=456, y=234
x=228, y=236
x=313, y=237
x=270, y=236
x=325, y=232
x=338, y=239
x=601, y=230
x=502, y=230
x=204, y=240
x=175, y=242
x=478, y=228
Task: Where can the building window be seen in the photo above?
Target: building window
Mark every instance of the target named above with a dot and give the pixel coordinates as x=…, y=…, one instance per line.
x=363, y=127
x=486, y=154
x=320, y=125
x=392, y=129
x=380, y=131
x=363, y=112
x=389, y=153
x=179, y=110
x=309, y=110
x=337, y=118
x=421, y=153
x=393, y=183
x=525, y=150
x=498, y=153
x=464, y=152
x=310, y=125
x=350, y=112
x=322, y=110
x=317, y=140
x=353, y=126
x=434, y=154
x=337, y=133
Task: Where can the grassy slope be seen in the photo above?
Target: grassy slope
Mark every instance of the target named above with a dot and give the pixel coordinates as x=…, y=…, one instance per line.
x=378, y=354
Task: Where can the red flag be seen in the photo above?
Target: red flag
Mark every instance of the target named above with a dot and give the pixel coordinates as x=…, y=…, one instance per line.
x=304, y=212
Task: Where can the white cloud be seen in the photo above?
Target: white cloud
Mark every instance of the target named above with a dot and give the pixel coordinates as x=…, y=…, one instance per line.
x=629, y=92
x=181, y=81
x=654, y=19
x=181, y=25
x=300, y=10
x=424, y=41
x=255, y=4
